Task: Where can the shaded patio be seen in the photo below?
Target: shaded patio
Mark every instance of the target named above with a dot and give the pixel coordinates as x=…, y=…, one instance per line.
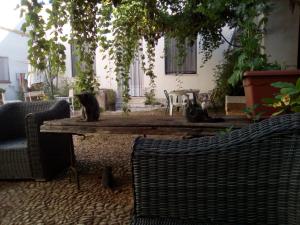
x=59, y=202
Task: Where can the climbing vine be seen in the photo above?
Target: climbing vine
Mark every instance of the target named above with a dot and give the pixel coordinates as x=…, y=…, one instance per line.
x=83, y=36
x=125, y=29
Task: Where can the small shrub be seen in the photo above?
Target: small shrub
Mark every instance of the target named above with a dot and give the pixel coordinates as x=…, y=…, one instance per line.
x=221, y=75
x=225, y=131
x=64, y=87
x=150, y=98
x=251, y=114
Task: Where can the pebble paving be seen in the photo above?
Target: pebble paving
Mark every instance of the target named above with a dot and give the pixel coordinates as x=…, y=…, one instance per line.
x=59, y=202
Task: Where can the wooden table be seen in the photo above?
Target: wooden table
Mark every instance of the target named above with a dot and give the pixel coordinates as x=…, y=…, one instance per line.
x=145, y=124
x=141, y=124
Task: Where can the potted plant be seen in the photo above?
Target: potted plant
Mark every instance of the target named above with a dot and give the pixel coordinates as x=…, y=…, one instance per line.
x=253, y=66
x=257, y=86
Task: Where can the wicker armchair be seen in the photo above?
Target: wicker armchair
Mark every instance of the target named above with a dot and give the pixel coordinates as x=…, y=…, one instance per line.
x=248, y=176
x=25, y=153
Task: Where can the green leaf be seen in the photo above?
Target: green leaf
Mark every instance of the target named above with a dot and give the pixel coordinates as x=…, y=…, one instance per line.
x=269, y=100
x=235, y=77
x=298, y=84
x=289, y=91
x=283, y=85
x=63, y=38
x=246, y=110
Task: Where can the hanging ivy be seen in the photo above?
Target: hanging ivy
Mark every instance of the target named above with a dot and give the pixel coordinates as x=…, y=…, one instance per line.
x=125, y=29
x=83, y=35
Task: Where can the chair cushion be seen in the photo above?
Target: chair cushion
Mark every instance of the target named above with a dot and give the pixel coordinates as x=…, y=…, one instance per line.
x=14, y=161
x=13, y=144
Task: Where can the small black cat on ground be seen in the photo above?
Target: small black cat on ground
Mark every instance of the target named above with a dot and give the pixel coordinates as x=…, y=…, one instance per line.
x=91, y=109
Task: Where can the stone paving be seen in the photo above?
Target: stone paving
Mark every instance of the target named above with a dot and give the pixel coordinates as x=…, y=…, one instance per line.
x=59, y=201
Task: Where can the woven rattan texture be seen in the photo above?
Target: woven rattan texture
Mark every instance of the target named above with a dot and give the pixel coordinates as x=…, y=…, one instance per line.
x=44, y=155
x=248, y=176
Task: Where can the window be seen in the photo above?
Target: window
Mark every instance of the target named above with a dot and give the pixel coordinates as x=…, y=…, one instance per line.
x=189, y=65
x=75, y=59
x=4, y=72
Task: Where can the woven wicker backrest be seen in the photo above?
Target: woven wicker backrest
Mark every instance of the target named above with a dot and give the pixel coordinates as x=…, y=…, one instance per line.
x=249, y=176
x=33, y=107
x=14, y=116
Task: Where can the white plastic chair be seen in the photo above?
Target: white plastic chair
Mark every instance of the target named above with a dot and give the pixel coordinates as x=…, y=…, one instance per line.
x=178, y=101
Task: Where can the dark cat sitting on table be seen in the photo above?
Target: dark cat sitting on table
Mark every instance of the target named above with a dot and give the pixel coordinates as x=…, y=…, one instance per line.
x=91, y=109
x=196, y=113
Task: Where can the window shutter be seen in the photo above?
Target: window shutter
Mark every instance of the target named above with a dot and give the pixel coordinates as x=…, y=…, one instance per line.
x=189, y=65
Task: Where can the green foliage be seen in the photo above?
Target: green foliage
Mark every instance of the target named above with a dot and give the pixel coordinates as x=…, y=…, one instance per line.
x=150, y=98
x=221, y=75
x=46, y=55
x=47, y=52
x=83, y=20
x=64, y=88
x=138, y=24
x=288, y=98
x=226, y=131
x=252, y=114
x=111, y=99
x=2, y=90
x=252, y=18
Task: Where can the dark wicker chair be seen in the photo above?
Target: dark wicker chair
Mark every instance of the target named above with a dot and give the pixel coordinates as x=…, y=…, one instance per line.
x=248, y=176
x=25, y=153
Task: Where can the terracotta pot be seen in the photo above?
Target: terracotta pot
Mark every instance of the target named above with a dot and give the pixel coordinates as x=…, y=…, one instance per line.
x=257, y=85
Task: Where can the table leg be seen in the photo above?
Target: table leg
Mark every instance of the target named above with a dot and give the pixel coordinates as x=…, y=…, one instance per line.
x=73, y=169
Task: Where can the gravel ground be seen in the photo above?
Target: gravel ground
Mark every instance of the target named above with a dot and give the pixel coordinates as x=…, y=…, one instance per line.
x=59, y=201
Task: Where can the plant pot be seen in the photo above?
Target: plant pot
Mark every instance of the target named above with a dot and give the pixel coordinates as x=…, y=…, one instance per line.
x=234, y=105
x=257, y=86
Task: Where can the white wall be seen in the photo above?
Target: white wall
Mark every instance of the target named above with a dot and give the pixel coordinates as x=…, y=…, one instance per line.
x=282, y=31
x=105, y=71
x=13, y=46
x=203, y=80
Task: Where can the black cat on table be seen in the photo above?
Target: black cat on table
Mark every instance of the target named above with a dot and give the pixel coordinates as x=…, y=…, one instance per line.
x=91, y=109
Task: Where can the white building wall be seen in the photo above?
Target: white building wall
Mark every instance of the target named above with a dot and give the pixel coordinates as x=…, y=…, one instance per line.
x=203, y=80
x=13, y=46
x=282, y=31
x=105, y=71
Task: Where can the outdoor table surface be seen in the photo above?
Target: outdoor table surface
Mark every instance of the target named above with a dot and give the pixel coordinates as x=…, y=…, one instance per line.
x=141, y=124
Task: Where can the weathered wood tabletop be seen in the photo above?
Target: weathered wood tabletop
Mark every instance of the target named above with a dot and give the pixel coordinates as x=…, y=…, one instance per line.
x=141, y=124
